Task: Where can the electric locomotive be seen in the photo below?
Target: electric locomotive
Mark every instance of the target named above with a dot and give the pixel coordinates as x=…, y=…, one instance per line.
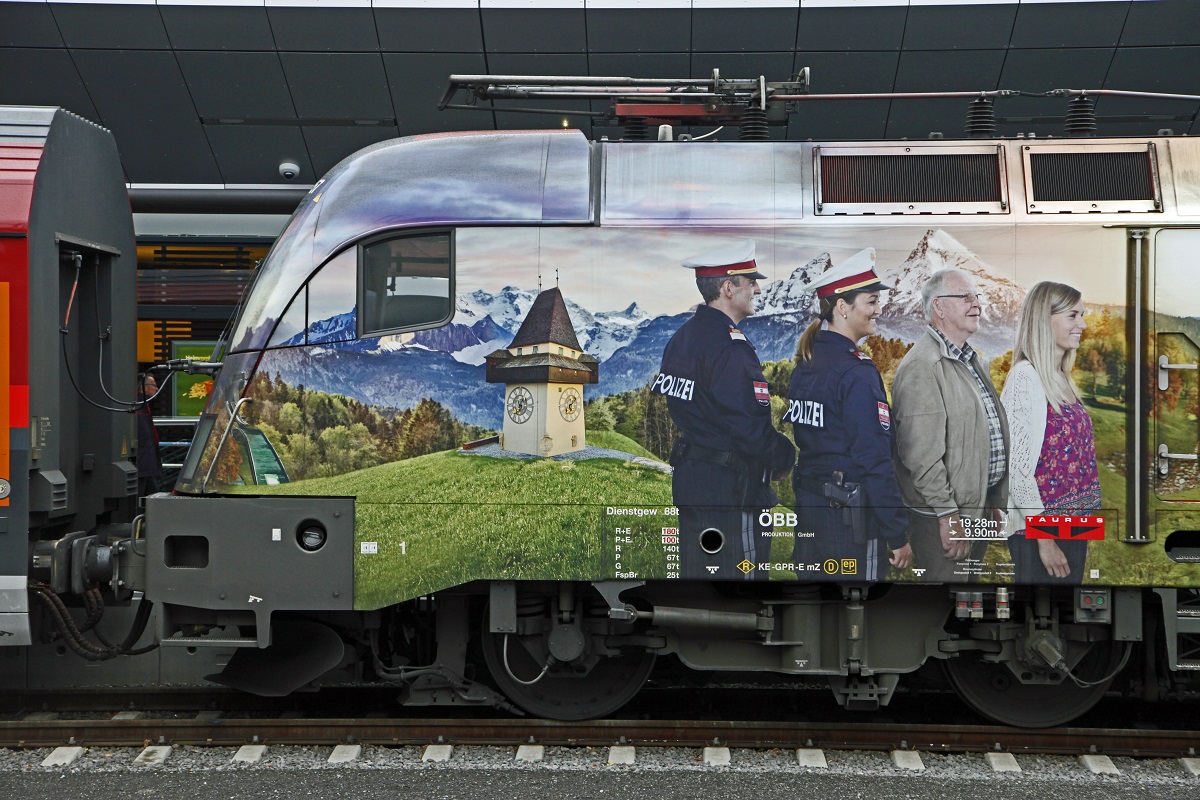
x=436, y=450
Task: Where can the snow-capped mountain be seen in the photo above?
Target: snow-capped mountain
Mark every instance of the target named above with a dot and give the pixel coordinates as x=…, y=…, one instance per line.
x=938, y=250
x=791, y=296
x=600, y=334
x=446, y=362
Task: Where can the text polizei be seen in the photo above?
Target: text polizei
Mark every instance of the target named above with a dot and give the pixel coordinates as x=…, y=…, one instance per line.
x=805, y=412
x=672, y=386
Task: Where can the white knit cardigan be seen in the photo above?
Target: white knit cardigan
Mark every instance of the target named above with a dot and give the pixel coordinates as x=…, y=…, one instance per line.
x=1025, y=401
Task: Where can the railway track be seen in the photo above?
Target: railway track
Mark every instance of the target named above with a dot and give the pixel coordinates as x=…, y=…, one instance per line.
x=206, y=728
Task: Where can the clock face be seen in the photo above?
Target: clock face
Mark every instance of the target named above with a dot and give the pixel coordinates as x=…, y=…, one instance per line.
x=520, y=405
x=569, y=405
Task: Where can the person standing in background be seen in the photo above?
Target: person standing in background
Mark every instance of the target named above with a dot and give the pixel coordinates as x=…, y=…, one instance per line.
x=149, y=465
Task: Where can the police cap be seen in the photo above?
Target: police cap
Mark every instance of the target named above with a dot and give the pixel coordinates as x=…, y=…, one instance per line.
x=855, y=274
x=726, y=262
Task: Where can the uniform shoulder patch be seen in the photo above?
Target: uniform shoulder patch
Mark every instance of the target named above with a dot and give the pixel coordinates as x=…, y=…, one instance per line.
x=762, y=393
x=885, y=416
x=862, y=356
x=737, y=335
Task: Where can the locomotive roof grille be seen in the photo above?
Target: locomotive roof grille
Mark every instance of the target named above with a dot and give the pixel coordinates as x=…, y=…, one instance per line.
x=1063, y=177
x=911, y=178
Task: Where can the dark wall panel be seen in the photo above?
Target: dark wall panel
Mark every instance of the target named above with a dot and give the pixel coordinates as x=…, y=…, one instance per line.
x=252, y=153
x=28, y=25
x=628, y=30
x=523, y=30
x=102, y=25
x=845, y=73
x=867, y=28
x=329, y=29
x=43, y=78
x=749, y=29
x=338, y=86
x=418, y=81
x=1041, y=71
x=929, y=71
x=966, y=27
x=1069, y=24
x=237, y=85
x=1164, y=22
x=429, y=30
x=772, y=66
x=1150, y=69
x=142, y=98
x=218, y=27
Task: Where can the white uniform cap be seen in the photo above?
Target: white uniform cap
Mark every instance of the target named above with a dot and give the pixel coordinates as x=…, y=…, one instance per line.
x=855, y=274
x=728, y=261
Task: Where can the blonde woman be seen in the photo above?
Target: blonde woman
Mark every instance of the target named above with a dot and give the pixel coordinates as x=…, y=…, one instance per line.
x=1052, y=461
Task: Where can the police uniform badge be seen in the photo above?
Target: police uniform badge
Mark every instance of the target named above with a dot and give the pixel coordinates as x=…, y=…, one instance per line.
x=885, y=416
x=737, y=335
x=762, y=393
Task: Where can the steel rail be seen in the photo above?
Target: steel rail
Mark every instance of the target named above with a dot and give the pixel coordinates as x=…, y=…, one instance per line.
x=513, y=732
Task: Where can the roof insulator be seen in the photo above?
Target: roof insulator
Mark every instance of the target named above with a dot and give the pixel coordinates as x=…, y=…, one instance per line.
x=981, y=119
x=753, y=125
x=1081, y=116
x=636, y=129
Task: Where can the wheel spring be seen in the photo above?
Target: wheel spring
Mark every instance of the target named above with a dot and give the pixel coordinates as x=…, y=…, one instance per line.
x=533, y=606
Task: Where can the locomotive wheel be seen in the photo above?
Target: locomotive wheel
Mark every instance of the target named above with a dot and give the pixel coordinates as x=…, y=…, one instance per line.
x=562, y=692
x=994, y=691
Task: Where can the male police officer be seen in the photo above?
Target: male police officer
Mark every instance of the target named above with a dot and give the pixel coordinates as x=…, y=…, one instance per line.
x=719, y=399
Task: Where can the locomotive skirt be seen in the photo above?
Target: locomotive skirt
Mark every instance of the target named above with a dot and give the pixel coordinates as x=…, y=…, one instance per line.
x=822, y=537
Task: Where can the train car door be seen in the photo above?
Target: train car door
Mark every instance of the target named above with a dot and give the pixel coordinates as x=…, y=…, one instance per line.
x=1174, y=345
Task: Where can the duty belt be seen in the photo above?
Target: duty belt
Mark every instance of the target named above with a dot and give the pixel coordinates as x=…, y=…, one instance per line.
x=811, y=485
x=725, y=458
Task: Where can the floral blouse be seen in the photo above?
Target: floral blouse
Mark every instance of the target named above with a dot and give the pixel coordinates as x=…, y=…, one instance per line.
x=1067, y=477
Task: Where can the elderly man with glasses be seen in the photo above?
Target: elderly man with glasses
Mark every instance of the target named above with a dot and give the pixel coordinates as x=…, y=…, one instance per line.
x=951, y=436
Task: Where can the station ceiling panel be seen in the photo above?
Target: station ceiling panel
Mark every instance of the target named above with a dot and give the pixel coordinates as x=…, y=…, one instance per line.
x=216, y=93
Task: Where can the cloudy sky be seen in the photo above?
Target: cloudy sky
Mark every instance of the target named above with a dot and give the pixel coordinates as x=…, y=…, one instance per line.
x=606, y=269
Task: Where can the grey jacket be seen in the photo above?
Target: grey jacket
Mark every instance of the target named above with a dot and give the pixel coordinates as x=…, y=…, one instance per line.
x=942, y=444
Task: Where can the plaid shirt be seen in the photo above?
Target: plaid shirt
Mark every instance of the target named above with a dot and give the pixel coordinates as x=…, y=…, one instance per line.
x=997, y=458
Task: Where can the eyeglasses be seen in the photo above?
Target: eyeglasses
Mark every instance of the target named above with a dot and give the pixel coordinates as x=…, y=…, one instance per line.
x=966, y=297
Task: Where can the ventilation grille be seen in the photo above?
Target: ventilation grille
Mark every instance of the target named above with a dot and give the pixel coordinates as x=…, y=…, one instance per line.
x=1098, y=178
x=1064, y=177
x=907, y=181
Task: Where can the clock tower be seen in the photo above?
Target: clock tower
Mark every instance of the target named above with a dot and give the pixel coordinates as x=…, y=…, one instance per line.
x=544, y=371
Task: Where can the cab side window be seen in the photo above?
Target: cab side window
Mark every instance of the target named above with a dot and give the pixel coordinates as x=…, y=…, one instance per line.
x=406, y=283
x=323, y=310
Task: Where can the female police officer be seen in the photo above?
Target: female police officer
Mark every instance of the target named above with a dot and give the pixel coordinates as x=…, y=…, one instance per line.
x=848, y=505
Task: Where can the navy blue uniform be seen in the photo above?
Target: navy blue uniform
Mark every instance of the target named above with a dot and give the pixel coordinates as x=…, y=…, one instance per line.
x=719, y=399
x=842, y=422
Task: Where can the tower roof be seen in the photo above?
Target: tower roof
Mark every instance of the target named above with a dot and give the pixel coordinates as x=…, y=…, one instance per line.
x=547, y=321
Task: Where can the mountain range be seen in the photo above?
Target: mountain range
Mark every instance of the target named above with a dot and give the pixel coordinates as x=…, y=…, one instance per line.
x=445, y=363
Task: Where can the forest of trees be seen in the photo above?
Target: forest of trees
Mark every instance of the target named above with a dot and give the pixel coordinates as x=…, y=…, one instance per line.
x=318, y=434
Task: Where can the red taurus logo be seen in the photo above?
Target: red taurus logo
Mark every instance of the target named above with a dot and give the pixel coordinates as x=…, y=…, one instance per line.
x=1072, y=528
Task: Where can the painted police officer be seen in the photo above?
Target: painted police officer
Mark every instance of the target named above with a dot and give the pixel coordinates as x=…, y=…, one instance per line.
x=717, y=396
x=850, y=518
